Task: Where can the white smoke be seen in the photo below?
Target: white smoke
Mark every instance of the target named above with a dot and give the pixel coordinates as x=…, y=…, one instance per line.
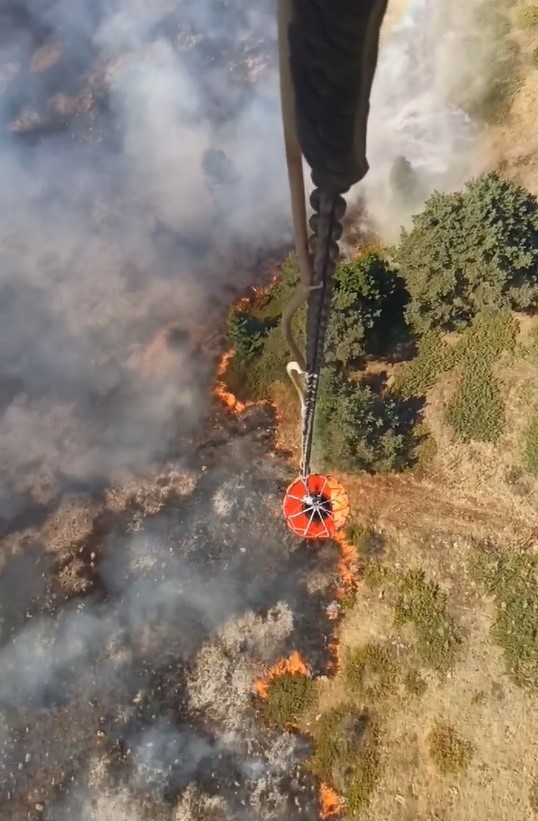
x=110, y=228
x=412, y=115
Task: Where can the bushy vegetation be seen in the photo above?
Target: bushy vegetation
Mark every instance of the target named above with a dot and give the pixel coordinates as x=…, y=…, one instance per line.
x=406, y=184
x=531, y=447
x=528, y=17
x=448, y=750
x=490, y=334
x=347, y=754
x=433, y=358
x=476, y=412
x=361, y=430
x=371, y=671
x=367, y=301
x=533, y=795
x=470, y=251
x=511, y=577
x=422, y=604
x=289, y=696
x=246, y=333
x=470, y=259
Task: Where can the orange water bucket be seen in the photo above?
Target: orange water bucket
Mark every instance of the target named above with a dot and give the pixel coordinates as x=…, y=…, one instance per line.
x=316, y=506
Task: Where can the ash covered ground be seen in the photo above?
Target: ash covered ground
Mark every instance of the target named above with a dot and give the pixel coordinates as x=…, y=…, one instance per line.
x=146, y=578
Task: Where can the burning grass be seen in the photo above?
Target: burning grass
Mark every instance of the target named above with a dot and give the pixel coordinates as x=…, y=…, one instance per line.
x=293, y=665
x=347, y=755
x=221, y=392
x=330, y=802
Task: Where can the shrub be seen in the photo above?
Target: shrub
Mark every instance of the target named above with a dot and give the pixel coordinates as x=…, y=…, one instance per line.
x=405, y=183
x=469, y=251
x=358, y=430
x=433, y=358
x=367, y=297
x=531, y=447
x=533, y=795
x=476, y=411
x=347, y=754
x=449, y=752
x=511, y=577
x=422, y=603
x=371, y=670
x=246, y=334
x=415, y=684
x=528, y=17
x=289, y=696
x=490, y=334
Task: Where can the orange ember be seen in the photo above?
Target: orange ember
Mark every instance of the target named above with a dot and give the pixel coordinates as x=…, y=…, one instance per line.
x=330, y=801
x=293, y=664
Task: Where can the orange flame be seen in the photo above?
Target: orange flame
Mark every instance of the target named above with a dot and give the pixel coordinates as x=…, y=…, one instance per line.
x=347, y=566
x=330, y=801
x=228, y=399
x=348, y=582
x=293, y=664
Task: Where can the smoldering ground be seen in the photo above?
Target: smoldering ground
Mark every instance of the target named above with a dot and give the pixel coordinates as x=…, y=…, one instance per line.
x=138, y=694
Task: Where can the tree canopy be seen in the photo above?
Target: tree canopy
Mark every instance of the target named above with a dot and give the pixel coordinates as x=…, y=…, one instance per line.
x=468, y=251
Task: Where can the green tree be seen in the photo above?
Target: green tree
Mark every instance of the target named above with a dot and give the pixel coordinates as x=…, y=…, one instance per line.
x=360, y=430
x=471, y=250
x=246, y=334
x=367, y=297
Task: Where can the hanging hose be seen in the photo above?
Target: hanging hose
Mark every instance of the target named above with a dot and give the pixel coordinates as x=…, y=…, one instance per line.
x=327, y=55
x=317, y=255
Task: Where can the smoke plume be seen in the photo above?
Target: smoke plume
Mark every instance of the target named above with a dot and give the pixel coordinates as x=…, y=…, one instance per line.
x=419, y=139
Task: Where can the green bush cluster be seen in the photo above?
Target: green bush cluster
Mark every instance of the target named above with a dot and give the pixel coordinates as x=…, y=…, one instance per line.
x=347, y=754
x=367, y=300
x=490, y=334
x=289, y=696
x=433, y=358
x=421, y=603
x=371, y=670
x=511, y=577
x=358, y=429
x=246, y=334
x=469, y=251
x=476, y=411
x=448, y=750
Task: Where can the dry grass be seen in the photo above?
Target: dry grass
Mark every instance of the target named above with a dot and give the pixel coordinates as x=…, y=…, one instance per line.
x=449, y=752
x=454, y=744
